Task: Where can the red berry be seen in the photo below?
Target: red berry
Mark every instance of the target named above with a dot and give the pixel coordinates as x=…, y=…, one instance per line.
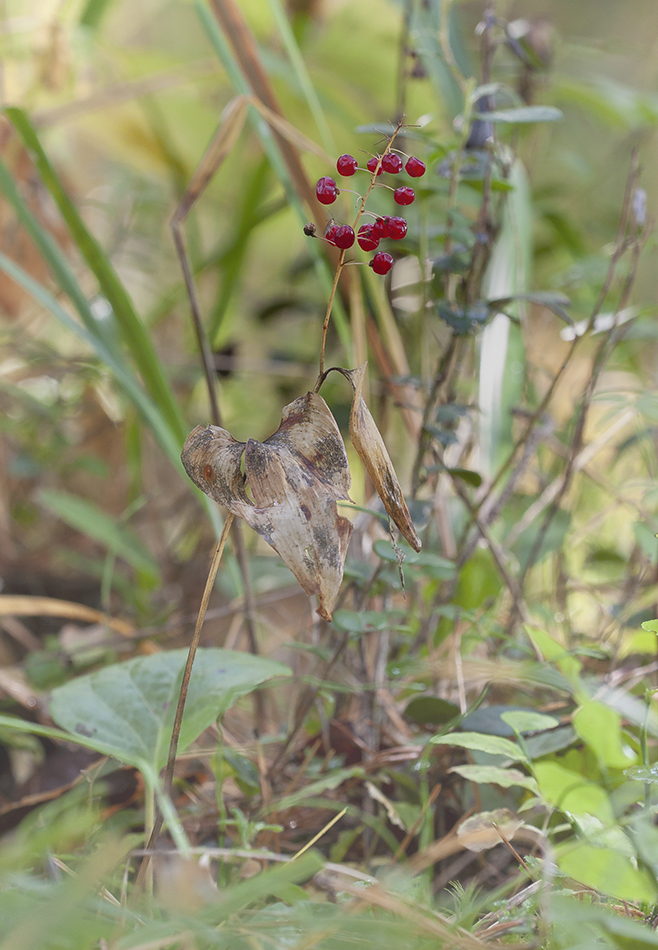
x=371, y=165
x=330, y=233
x=414, y=167
x=326, y=191
x=380, y=228
x=404, y=195
x=347, y=165
x=397, y=228
x=392, y=163
x=344, y=237
x=381, y=262
x=367, y=241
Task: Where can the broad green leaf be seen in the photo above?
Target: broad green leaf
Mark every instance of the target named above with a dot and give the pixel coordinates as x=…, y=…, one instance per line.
x=479, y=581
x=127, y=709
x=553, y=740
x=600, y=728
x=87, y=518
x=572, y=793
x=494, y=745
x=492, y=775
x=651, y=626
x=607, y=871
x=527, y=720
x=522, y=115
x=431, y=710
x=550, y=649
x=581, y=922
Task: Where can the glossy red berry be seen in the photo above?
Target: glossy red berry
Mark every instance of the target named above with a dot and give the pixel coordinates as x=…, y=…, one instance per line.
x=330, y=233
x=381, y=262
x=344, y=237
x=346, y=165
x=414, y=167
x=380, y=228
x=392, y=163
x=367, y=241
x=404, y=195
x=371, y=165
x=326, y=191
x=397, y=228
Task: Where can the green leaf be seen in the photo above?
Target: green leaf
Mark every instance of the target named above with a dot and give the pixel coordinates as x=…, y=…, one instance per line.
x=527, y=720
x=330, y=781
x=643, y=773
x=494, y=745
x=466, y=475
x=87, y=518
x=572, y=793
x=127, y=709
x=607, y=871
x=522, y=115
x=479, y=581
x=651, y=626
x=551, y=650
x=93, y=13
x=431, y=710
x=493, y=775
x=464, y=320
x=600, y=728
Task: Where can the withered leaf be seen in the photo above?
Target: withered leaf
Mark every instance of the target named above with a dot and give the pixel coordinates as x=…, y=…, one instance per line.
x=368, y=442
x=295, y=478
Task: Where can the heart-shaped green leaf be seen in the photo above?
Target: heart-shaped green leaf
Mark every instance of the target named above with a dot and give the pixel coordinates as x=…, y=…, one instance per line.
x=127, y=709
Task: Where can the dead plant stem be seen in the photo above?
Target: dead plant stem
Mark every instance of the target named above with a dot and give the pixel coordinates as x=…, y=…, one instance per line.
x=182, y=695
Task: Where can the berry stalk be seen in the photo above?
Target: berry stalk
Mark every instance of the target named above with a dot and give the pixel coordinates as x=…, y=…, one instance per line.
x=341, y=259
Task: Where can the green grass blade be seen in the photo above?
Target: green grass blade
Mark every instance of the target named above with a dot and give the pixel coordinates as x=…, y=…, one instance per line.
x=221, y=48
x=133, y=331
x=113, y=361
x=86, y=517
x=50, y=251
x=301, y=74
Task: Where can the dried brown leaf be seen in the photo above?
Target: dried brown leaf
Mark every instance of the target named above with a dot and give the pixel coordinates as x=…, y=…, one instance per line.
x=368, y=442
x=295, y=478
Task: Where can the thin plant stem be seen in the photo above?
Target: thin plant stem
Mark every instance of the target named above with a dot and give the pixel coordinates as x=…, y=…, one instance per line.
x=182, y=695
x=187, y=672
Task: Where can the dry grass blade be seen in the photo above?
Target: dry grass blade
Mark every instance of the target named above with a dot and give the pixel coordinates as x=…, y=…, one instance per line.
x=295, y=478
x=19, y=605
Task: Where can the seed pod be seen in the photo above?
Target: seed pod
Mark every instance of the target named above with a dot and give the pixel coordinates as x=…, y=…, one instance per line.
x=367, y=440
x=295, y=478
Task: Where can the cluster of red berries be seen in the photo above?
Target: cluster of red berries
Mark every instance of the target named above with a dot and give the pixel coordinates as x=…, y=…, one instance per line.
x=369, y=235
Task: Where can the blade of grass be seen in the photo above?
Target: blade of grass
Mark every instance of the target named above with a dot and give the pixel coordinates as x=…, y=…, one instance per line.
x=301, y=74
x=268, y=142
x=89, y=519
x=99, y=345
x=133, y=331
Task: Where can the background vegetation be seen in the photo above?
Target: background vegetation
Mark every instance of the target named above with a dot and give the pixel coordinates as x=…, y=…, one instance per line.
x=487, y=741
